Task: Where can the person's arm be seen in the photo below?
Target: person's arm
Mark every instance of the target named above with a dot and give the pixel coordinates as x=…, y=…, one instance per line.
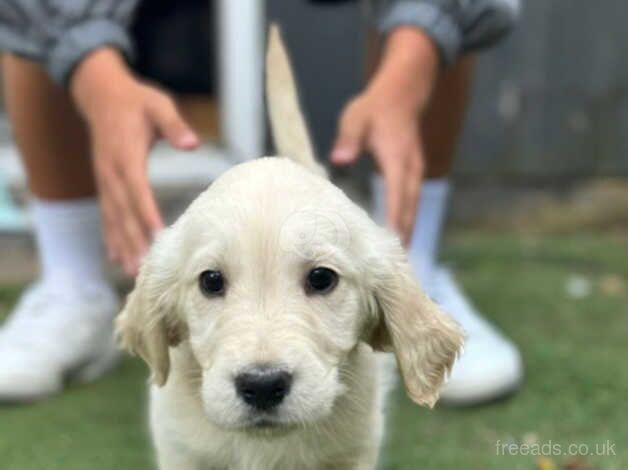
x=84, y=44
x=59, y=34
x=384, y=120
x=125, y=116
x=455, y=26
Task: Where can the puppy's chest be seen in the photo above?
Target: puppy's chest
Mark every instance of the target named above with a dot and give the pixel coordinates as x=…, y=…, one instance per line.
x=290, y=454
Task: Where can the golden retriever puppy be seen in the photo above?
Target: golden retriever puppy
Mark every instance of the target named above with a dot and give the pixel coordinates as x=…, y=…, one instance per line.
x=259, y=311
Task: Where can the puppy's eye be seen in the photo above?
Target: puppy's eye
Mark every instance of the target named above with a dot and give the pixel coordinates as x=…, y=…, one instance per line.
x=212, y=283
x=321, y=280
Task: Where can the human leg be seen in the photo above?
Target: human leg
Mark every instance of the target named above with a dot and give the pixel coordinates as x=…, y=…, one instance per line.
x=62, y=325
x=491, y=365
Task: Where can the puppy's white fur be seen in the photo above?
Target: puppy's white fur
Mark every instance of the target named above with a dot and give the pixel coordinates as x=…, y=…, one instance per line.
x=265, y=225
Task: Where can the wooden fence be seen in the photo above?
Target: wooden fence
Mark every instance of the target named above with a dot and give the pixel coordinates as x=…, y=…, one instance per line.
x=551, y=102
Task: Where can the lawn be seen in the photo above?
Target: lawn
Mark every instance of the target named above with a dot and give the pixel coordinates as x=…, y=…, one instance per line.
x=563, y=299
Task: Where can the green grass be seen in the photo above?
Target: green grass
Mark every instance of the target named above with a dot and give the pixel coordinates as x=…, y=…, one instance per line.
x=576, y=388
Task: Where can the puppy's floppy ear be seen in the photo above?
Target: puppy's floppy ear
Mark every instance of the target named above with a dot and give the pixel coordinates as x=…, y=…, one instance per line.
x=149, y=322
x=424, y=339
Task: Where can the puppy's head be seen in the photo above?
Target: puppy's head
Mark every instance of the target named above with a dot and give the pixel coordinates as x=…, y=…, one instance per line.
x=273, y=277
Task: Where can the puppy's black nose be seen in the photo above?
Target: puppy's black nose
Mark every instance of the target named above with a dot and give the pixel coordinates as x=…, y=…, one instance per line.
x=263, y=387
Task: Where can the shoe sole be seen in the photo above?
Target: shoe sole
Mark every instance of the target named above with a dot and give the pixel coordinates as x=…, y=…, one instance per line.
x=93, y=370
x=84, y=374
x=484, y=397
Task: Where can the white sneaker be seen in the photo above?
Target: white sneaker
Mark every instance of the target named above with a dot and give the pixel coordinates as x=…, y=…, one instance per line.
x=53, y=336
x=490, y=366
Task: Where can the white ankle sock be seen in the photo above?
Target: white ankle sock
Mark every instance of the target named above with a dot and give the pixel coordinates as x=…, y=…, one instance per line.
x=69, y=241
x=423, y=249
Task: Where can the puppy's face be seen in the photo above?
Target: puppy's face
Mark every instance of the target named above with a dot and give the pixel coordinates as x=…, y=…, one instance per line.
x=274, y=277
x=272, y=299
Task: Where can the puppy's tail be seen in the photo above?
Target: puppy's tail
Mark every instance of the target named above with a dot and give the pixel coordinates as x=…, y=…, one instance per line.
x=287, y=124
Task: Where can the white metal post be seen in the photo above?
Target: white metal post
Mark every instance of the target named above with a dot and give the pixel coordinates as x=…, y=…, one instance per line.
x=241, y=46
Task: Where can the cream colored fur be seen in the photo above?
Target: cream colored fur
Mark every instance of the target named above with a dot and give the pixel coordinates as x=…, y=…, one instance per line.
x=265, y=224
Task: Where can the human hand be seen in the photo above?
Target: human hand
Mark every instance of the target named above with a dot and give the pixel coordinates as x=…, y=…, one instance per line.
x=384, y=120
x=390, y=133
x=125, y=117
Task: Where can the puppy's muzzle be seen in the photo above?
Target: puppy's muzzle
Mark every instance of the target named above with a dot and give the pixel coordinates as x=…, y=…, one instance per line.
x=263, y=387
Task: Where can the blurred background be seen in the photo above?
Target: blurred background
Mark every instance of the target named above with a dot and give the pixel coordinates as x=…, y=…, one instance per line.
x=536, y=232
